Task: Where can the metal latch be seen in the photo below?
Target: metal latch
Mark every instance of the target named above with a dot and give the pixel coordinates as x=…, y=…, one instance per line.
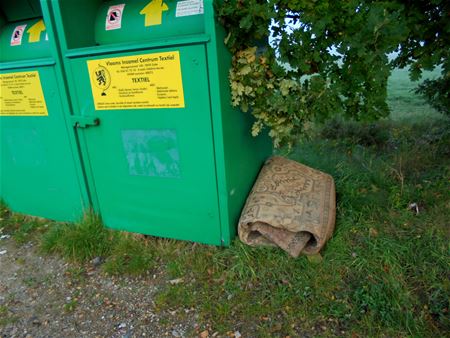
x=85, y=121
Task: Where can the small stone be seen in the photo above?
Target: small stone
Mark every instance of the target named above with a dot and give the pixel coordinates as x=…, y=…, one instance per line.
x=35, y=321
x=127, y=335
x=176, y=281
x=175, y=333
x=204, y=334
x=97, y=261
x=3, y=252
x=237, y=334
x=122, y=326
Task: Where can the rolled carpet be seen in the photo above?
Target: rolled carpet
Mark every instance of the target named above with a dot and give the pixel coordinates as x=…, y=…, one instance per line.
x=291, y=206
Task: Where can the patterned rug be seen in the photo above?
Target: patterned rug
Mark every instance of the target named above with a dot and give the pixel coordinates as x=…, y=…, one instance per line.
x=291, y=206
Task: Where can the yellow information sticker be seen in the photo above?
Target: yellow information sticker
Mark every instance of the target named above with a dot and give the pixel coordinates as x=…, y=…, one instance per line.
x=148, y=81
x=21, y=95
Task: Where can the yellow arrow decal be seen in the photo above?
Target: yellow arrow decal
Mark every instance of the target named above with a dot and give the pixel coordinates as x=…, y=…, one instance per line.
x=153, y=12
x=35, y=31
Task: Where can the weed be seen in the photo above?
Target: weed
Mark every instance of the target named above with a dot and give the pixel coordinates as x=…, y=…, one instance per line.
x=4, y=211
x=22, y=228
x=438, y=301
x=129, y=255
x=76, y=275
x=30, y=282
x=28, y=229
x=87, y=239
x=80, y=242
x=70, y=306
x=6, y=316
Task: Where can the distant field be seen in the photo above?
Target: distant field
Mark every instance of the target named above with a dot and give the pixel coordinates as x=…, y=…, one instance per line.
x=403, y=101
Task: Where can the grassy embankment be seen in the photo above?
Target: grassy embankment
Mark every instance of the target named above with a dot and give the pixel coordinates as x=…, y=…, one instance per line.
x=385, y=271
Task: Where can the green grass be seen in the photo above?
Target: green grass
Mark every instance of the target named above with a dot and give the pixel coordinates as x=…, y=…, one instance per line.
x=83, y=241
x=88, y=239
x=383, y=273
x=130, y=255
x=23, y=228
x=70, y=306
x=6, y=317
x=80, y=242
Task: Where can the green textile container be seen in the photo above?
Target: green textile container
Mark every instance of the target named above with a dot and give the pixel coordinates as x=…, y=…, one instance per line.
x=40, y=171
x=165, y=152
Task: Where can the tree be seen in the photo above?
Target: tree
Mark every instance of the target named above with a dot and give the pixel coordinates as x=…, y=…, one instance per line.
x=330, y=57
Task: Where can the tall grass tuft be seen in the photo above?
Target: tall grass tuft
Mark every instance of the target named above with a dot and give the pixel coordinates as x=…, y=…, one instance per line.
x=80, y=242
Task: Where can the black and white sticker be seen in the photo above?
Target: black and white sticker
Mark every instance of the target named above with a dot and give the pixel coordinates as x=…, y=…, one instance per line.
x=189, y=7
x=114, y=17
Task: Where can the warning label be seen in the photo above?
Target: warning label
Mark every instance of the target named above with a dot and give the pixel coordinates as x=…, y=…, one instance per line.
x=114, y=17
x=137, y=82
x=21, y=95
x=17, y=35
x=189, y=7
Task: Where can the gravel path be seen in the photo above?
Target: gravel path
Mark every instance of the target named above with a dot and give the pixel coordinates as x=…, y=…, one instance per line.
x=46, y=297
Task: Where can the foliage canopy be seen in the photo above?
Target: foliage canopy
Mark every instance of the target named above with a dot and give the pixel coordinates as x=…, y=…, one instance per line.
x=330, y=57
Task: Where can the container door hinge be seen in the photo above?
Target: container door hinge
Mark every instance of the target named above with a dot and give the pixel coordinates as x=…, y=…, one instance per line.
x=84, y=121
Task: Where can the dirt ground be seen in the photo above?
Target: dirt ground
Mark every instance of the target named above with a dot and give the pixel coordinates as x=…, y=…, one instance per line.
x=43, y=296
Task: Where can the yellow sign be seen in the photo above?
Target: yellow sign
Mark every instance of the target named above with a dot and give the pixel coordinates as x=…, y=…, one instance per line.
x=21, y=95
x=153, y=12
x=35, y=31
x=137, y=82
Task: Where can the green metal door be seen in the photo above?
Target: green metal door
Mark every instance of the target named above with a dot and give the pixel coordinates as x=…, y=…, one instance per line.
x=153, y=167
x=37, y=173
x=39, y=170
